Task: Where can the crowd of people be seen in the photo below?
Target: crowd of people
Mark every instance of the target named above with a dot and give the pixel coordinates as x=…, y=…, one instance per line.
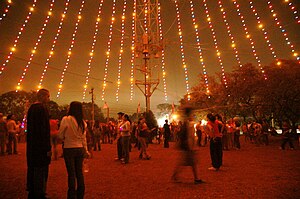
x=80, y=138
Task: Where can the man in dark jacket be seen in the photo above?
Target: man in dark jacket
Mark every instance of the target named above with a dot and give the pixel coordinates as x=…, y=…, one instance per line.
x=38, y=146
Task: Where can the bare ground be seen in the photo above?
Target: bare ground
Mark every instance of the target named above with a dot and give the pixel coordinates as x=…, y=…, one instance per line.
x=252, y=172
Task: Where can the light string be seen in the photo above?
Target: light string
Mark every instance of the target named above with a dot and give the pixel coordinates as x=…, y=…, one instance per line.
x=209, y=20
x=163, y=65
x=51, y=52
x=248, y=36
x=283, y=31
x=70, y=50
x=121, y=50
x=230, y=35
x=108, y=49
x=98, y=19
x=33, y=51
x=198, y=42
x=132, y=51
x=182, y=50
x=294, y=10
x=9, y=2
x=261, y=27
x=14, y=48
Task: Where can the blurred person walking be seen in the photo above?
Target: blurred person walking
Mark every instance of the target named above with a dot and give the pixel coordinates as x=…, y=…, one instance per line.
x=72, y=131
x=287, y=137
x=54, y=138
x=185, y=144
x=38, y=148
x=119, y=137
x=3, y=134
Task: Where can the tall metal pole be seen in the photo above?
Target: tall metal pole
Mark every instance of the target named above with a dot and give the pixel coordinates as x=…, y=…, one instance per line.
x=147, y=46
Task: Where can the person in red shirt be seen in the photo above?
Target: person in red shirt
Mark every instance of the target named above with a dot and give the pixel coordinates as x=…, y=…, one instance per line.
x=215, y=136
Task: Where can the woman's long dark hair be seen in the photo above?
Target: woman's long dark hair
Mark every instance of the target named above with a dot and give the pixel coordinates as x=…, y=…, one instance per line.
x=75, y=110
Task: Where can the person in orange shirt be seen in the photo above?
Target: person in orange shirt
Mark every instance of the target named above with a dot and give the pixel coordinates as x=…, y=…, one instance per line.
x=54, y=138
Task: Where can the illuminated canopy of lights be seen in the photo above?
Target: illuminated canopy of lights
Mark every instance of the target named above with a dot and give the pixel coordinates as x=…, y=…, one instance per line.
x=121, y=50
x=201, y=59
x=14, y=47
x=51, y=51
x=283, y=31
x=248, y=36
x=33, y=52
x=132, y=50
x=293, y=8
x=92, y=51
x=70, y=49
x=6, y=9
x=182, y=49
x=108, y=49
x=209, y=20
x=163, y=64
x=230, y=35
x=262, y=28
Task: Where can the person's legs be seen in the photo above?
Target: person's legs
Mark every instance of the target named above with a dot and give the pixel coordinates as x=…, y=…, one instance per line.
x=125, y=145
x=79, y=175
x=119, y=147
x=70, y=165
x=15, y=142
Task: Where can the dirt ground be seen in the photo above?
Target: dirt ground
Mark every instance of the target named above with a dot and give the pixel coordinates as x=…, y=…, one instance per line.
x=252, y=172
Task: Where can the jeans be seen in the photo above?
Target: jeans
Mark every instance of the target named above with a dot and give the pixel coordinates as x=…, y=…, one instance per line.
x=37, y=181
x=119, y=148
x=74, y=161
x=125, y=149
x=216, y=152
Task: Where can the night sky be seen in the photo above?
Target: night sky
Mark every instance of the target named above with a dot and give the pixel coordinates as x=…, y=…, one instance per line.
x=75, y=74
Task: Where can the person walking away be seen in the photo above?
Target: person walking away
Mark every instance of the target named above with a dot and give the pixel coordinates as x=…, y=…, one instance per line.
x=142, y=131
x=3, y=134
x=199, y=133
x=12, y=129
x=72, y=131
x=38, y=148
x=186, y=146
x=54, y=139
x=125, y=130
x=167, y=134
x=287, y=137
x=215, y=136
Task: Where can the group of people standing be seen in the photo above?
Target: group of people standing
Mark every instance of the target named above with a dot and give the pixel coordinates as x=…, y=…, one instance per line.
x=72, y=132
x=124, y=134
x=9, y=132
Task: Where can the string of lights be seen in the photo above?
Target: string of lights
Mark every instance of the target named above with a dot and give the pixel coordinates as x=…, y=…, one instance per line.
x=14, y=48
x=121, y=50
x=163, y=65
x=6, y=9
x=98, y=19
x=198, y=43
x=132, y=51
x=108, y=48
x=209, y=20
x=51, y=52
x=33, y=51
x=261, y=27
x=294, y=10
x=182, y=49
x=283, y=31
x=230, y=35
x=248, y=36
x=70, y=49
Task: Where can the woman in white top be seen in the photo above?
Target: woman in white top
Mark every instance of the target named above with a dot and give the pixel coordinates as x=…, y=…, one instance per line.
x=125, y=129
x=73, y=133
